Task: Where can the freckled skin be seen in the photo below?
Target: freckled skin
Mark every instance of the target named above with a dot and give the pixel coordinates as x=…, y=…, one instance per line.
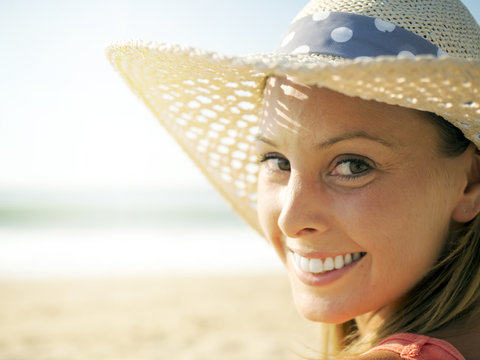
x=398, y=211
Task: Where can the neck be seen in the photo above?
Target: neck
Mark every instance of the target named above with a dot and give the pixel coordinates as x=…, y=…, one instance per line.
x=369, y=323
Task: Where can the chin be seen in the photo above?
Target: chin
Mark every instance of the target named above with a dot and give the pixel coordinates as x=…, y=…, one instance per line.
x=324, y=317
x=317, y=308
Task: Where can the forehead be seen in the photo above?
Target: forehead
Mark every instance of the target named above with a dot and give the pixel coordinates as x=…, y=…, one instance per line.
x=292, y=109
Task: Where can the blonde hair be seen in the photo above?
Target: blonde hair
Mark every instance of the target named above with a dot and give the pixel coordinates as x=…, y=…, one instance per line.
x=449, y=292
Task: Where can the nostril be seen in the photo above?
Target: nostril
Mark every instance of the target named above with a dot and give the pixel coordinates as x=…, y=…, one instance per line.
x=306, y=230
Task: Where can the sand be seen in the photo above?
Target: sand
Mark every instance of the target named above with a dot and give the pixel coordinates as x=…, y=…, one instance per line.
x=176, y=317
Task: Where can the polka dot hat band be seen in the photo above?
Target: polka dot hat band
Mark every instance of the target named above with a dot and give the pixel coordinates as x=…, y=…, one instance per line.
x=352, y=36
x=382, y=50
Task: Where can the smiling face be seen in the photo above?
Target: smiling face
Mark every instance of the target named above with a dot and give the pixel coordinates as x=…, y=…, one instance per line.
x=354, y=195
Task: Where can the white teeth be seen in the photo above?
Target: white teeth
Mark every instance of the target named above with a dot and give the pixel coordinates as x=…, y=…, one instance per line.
x=297, y=258
x=348, y=259
x=328, y=264
x=305, y=264
x=338, y=262
x=318, y=266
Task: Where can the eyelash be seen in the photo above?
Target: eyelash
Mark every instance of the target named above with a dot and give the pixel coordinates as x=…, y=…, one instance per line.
x=354, y=160
x=271, y=156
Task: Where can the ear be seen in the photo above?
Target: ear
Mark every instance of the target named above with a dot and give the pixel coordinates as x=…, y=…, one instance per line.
x=469, y=205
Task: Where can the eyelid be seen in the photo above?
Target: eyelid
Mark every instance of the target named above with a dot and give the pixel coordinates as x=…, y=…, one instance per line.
x=351, y=157
x=270, y=155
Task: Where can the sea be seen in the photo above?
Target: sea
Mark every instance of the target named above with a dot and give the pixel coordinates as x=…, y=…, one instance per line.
x=65, y=234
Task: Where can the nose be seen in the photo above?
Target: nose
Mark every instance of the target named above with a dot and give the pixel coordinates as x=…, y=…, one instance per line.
x=303, y=207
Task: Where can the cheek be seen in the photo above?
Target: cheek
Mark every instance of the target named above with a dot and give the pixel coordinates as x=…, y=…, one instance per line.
x=402, y=220
x=268, y=211
x=264, y=205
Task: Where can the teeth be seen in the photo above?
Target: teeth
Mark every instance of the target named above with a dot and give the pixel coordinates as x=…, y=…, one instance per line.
x=338, y=262
x=328, y=264
x=348, y=259
x=318, y=266
x=304, y=264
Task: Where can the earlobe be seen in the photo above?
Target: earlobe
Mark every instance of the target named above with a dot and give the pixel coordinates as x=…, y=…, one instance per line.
x=469, y=205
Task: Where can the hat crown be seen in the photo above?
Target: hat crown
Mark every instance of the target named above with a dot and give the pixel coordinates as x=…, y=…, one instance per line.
x=446, y=23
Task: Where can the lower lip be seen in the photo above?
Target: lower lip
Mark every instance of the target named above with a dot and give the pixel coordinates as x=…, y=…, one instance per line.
x=322, y=279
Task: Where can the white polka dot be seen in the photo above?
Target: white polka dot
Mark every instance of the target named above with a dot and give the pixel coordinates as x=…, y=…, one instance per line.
x=287, y=39
x=441, y=53
x=319, y=16
x=384, y=26
x=301, y=49
x=341, y=34
x=406, y=53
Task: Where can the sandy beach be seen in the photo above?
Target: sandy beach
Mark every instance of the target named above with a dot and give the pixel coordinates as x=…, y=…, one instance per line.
x=238, y=317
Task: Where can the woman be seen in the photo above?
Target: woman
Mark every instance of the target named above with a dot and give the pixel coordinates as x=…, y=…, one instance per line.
x=354, y=150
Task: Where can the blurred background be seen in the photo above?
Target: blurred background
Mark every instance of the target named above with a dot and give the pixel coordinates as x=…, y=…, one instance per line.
x=85, y=170
x=112, y=245
x=91, y=187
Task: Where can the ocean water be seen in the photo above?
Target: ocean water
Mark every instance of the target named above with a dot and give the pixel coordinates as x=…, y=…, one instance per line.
x=98, y=234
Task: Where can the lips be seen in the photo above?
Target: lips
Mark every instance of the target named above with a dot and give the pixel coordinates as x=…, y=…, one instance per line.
x=320, y=266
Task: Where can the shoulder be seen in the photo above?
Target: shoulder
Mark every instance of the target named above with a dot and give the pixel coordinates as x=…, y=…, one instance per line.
x=413, y=347
x=377, y=355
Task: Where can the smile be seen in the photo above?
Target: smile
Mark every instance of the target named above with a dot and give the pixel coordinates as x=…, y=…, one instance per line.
x=319, y=266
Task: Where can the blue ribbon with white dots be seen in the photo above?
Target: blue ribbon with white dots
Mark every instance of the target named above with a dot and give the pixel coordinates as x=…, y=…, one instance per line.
x=352, y=36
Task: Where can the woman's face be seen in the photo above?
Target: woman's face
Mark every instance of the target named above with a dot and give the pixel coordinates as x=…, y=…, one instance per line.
x=354, y=195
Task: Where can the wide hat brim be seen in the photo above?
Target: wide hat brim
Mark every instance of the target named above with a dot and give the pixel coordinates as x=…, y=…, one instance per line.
x=210, y=102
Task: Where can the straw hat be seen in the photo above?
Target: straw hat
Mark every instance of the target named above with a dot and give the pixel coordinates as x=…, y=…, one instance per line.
x=422, y=54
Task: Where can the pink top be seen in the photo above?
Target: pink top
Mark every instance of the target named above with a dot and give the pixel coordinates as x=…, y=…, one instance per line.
x=419, y=347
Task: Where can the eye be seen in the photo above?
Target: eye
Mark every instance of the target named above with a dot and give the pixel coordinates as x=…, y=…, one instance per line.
x=275, y=162
x=350, y=168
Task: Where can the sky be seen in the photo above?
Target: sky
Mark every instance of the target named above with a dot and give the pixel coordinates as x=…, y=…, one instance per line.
x=67, y=120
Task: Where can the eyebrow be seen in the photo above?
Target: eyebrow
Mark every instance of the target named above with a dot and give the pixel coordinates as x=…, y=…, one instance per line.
x=332, y=141
x=262, y=138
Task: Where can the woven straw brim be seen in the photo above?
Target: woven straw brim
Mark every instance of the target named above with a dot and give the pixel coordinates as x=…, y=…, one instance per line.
x=210, y=103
